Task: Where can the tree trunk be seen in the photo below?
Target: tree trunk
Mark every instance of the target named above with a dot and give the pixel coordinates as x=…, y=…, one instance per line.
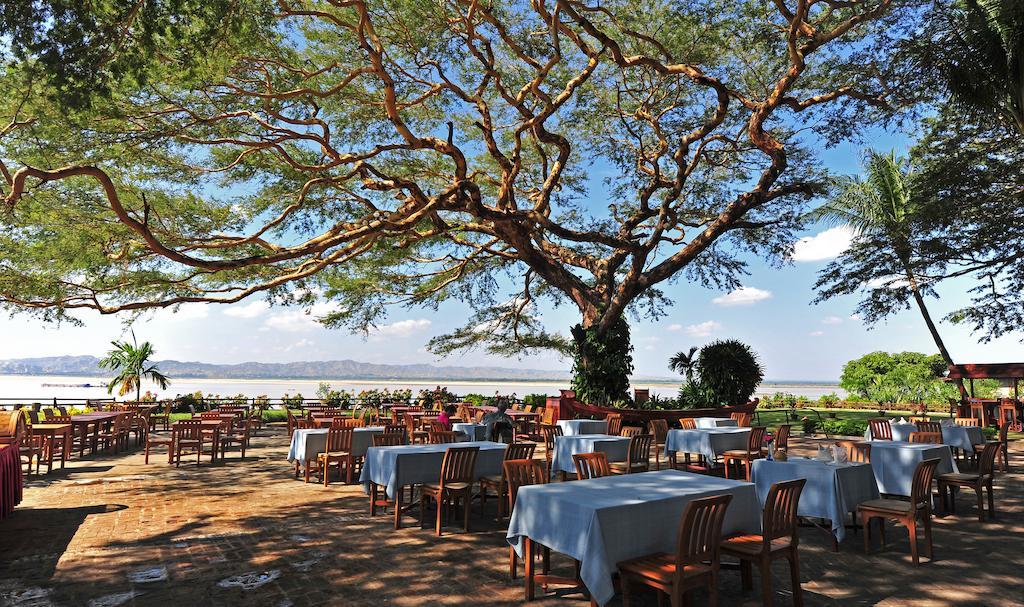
x=916, y=291
x=603, y=363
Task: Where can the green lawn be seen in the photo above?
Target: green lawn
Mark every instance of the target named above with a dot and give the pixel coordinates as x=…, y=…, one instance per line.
x=775, y=418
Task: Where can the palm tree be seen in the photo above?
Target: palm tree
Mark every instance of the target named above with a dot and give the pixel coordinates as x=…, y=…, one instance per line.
x=980, y=57
x=684, y=363
x=130, y=362
x=882, y=206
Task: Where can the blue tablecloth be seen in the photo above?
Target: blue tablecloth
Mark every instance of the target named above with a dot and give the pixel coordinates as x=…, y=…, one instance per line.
x=475, y=432
x=603, y=521
x=960, y=437
x=709, y=442
x=893, y=463
x=395, y=467
x=306, y=444
x=572, y=427
x=615, y=447
x=715, y=422
x=832, y=490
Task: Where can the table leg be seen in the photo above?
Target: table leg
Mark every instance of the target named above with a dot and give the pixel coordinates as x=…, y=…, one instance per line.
x=398, y=508
x=528, y=562
x=68, y=442
x=50, y=440
x=95, y=437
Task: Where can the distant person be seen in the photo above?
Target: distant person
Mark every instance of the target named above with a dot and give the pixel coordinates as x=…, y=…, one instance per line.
x=446, y=416
x=499, y=424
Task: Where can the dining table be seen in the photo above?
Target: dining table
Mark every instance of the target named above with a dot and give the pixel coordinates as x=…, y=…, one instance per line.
x=958, y=437
x=715, y=422
x=601, y=522
x=615, y=448
x=49, y=434
x=473, y=431
x=707, y=442
x=88, y=425
x=894, y=462
x=572, y=427
x=211, y=428
x=307, y=444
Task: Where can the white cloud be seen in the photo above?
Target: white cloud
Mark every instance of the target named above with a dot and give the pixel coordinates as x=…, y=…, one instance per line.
x=294, y=321
x=855, y=317
x=251, y=310
x=825, y=245
x=302, y=343
x=816, y=333
x=743, y=296
x=831, y=320
x=703, y=329
x=889, y=282
x=183, y=312
x=402, y=328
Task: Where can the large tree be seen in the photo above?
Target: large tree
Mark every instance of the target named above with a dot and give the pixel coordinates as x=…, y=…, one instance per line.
x=380, y=153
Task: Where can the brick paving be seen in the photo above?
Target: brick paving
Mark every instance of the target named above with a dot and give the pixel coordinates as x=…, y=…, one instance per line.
x=110, y=530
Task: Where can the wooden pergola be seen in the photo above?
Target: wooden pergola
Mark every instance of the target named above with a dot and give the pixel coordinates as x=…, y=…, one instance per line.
x=1007, y=371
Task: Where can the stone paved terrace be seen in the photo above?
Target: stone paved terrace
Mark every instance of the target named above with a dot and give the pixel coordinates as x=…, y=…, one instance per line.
x=110, y=530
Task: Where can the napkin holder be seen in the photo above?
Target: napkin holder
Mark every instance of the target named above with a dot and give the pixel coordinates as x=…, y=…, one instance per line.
x=839, y=454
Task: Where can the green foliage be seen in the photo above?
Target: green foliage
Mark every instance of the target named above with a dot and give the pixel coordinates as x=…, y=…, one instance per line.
x=537, y=400
x=809, y=425
x=882, y=377
x=729, y=371
x=293, y=402
x=475, y=399
x=844, y=427
x=130, y=364
x=828, y=400
x=684, y=363
x=602, y=364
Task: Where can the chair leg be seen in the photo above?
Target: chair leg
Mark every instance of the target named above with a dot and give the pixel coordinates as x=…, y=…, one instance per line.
x=928, y=535
x=440, y=501
x=794, y=577
x=865, y=522
x=713, y=590
x=912, y=529
x=466, y=503
x=991, y=503
x=765, y=569
x=624, y=583
x=746, y=575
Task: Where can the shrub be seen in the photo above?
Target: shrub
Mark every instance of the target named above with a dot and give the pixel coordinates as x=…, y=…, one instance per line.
x=729, y=371
x=829, y=400
x=809, y=425
x=475, y=399
x=845, y=427
x=537, y=400
x=274, y=415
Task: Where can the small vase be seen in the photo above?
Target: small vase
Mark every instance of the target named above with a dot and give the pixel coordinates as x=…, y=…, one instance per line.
x=771, y=452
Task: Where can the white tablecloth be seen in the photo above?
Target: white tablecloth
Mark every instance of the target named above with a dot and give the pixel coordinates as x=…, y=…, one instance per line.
x=475, y=432
x=960, y=437
x=709, y=442
x=395, y=467
x=893, y=463
x=572, y=427
x=832, y=490
x=306, y=444
x=715, y=422
x=615, y=447
x=603, y=521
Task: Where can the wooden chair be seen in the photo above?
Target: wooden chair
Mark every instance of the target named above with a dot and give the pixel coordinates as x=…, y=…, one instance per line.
x=515, y=451
x=188, y=436
x=155, y=440
x=742, y=419
x=442, y=436
x=414, y=429
x=856, y=451
x=631, y=431
x=591, y=465
x=687, y=423
x=969, y=422
x=520, y=473
x=979, y=482
x=339, y=451
x=881, y=429
x=755, y=440
x=695, y=562
x=907, y=513
x=388, y=439
x=480, y=416
x=456, y=485
x=926, y=438
x=1004, y=448
x=638, y=458
x=978, y=411
x=1007, y=413
x=436, y=426
x=930, y=427
x=778, y=539
x=162, y=416
x=238, y=435
x=659, y=428
x=614, y=423
x=782, y=438
x=549, y=433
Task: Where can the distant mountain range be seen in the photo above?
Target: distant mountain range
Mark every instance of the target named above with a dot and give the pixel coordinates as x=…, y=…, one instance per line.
x=325, y=369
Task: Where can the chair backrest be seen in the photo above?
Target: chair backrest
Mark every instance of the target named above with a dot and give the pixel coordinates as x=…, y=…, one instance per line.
x=920, y=488
x=929, y=426
x=978, y=411
x=458, y=465
x=687, y=423
x=189, y=429
x=436, y=426
x=986, y=463
x=742, y=419
x=614, y=423
x=971, y=422
x=782, y=437
x=659, y=428
x=33, y=417
x=932, y=438
x=1002, y=433
x=549, y=433
x=780, y=510
x=520, y=451
x=62, y=410
x=339, y=439
x=210, y=415
x=442, y=437
x=591, y=465
x=700, y=532
x=880, y=428
x=755, y=440
x=394, y=428
x=464, y=412
x=480, y=416
x=519, y=473
x=547, y=416
x=48, y=413
x=60, y=419
x=1007, y=412
x=631, y=431
x=388, y=439
x=640, y=449
x=410, y=423
x=856, y=451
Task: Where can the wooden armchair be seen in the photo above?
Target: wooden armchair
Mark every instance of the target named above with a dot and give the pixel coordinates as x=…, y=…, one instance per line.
x=455, y=486
x=755, y=440
x=591, y=465
x=188, y=436
x=880, y=428
x=659, y=428
x=498, y=482
x=339, y=451
x=696, y=559
x=907, y=513
x=638, y=458
x=779, y=539
x=979, y=482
